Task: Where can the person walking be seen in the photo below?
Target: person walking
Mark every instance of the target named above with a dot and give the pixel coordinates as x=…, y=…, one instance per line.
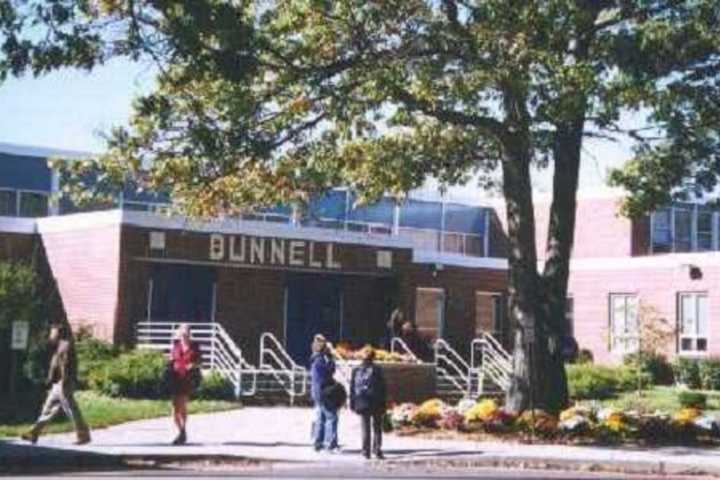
x=322, y=370
x=185, y=364
x=368, y=398
x=62, y=379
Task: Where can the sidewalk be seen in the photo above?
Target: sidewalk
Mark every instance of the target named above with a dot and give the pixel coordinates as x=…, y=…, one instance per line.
x=281, y=434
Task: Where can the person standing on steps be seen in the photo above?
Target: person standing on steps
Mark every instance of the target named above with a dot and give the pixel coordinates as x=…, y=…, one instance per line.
x=322, y=370
x=185, y=366
x=368, y=398
x=62, y=379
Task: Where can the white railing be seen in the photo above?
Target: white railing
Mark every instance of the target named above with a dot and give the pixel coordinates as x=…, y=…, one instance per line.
x=468, y=244
x=452, y=368
x=275, y=360
x=219, y=352
x=398, y=345
x=493, y=362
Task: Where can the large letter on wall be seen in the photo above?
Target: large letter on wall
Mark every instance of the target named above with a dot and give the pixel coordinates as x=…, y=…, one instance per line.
x=217, y=246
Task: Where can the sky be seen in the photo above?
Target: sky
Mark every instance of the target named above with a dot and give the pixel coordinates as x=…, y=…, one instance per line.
x=70, y=110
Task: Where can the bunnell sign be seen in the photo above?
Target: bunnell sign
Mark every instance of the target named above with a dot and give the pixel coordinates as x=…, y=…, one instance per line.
x=273, y=251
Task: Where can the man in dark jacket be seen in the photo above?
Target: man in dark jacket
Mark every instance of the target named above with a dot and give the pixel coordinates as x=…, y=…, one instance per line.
x=368, y=398
x=322, y=369
x=62, y=376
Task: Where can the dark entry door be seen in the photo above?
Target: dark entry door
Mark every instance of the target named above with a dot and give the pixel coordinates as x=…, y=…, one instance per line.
x=314, y=305
x=182, y=293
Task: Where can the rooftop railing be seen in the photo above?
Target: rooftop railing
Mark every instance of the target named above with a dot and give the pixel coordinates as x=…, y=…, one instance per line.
x=426, y=239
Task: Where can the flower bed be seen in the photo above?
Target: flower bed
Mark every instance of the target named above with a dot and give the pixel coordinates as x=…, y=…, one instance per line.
x=582, y=424
x=344, y=351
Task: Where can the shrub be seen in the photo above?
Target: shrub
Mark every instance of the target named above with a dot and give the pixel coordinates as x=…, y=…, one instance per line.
x=588, y=381
x=215, y=387
x=134, y=374
x=92, y=355
x=695, y=400
x=654, y=365
x=709, y=372
x=687, y=372
x=629, y=378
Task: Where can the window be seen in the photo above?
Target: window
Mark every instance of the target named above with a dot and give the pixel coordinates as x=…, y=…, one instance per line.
x=490, y=314
x=8, y=203
x=692, y=322
x=624, y=328
x=33, y=204
x=683, y=230
x=430, y=312
x=662, y=231
x=704, y=229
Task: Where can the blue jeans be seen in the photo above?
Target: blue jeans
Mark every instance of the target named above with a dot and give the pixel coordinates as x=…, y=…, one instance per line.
x=325, y=427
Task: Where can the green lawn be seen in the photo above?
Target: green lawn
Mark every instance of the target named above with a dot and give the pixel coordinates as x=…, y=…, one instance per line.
x=101, y=411
x=657, y=398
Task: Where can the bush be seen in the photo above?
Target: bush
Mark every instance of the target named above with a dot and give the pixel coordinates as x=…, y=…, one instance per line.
x=215, y=387
x=687, y=372
x=692, y=400
x=709, y=372
x=588, y=381
x=654, y=365
x=630, y=378
x=92, y=355
x=135, y=374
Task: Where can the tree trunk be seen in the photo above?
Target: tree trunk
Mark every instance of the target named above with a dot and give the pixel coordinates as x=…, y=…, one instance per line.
x=523, y=275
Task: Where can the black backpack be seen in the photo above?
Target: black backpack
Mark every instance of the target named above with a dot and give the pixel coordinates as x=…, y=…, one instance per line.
x=333, y=395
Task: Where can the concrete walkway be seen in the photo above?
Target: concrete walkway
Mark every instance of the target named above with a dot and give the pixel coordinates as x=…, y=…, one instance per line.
x=281, y=434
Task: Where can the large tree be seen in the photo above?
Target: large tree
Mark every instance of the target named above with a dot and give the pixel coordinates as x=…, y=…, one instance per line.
x=258, y=102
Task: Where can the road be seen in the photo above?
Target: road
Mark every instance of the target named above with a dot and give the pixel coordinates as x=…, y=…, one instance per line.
x=292, y=472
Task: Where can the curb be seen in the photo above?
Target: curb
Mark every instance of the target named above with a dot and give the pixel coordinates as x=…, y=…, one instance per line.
x=86, y=461
x=568, y=465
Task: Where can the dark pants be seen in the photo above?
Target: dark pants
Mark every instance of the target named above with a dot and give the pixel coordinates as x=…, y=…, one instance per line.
x=377, y=423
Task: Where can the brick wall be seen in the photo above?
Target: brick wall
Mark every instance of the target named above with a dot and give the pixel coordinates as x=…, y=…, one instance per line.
x=656, y=286
x=86, y=266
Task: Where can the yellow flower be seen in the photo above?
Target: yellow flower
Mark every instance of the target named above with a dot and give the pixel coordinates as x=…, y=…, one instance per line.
x=687, y=415
x=568, y=414
x=482, y=411
x=615, y=421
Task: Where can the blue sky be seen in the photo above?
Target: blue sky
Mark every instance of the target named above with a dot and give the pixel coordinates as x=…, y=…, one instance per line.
x=70, y=109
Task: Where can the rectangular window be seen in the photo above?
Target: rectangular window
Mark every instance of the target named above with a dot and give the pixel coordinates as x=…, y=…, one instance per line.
x=33, y=204
x=430, y=312
x=683, y=229
x=704, y=230
x=624, y=328
x=8, y=203
x=490, y=314
x=662, y=231
x=693, y=317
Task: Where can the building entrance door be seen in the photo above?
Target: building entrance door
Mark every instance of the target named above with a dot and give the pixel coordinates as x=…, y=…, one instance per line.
x=314, y=305
x=182, y=293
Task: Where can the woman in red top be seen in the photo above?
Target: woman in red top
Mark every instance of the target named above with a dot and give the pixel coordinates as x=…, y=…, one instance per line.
x=184, y=356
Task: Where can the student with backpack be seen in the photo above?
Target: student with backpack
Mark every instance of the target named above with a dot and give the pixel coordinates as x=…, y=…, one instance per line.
x=368, y=398
x=327, y=395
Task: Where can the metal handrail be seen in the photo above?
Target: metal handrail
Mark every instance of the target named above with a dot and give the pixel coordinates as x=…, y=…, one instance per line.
x=225, y=357
x=271, y=348
x=397, y=341
x=446, y=357
x=495, y=361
